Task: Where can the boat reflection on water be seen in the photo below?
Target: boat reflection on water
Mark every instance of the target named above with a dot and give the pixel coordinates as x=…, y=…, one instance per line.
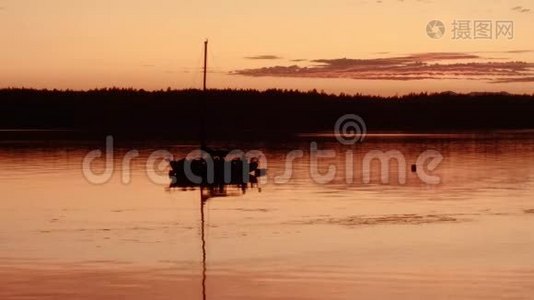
x=216, y=176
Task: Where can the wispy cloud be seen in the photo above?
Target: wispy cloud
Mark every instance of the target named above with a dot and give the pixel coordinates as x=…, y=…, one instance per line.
x=450, y=65
x=514, y=80
x=264, y=57
x=521, y=9
x=519, y=51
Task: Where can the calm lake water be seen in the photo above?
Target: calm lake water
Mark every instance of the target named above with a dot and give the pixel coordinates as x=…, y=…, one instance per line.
x=469, y=237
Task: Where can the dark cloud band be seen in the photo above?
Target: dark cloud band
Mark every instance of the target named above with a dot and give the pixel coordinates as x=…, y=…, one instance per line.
x=410, y=67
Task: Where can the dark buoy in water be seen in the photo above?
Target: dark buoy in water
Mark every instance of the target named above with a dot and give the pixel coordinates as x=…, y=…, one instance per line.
x=414, y=168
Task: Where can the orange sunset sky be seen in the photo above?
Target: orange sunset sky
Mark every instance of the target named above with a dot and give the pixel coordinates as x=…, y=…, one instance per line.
x=377, y=47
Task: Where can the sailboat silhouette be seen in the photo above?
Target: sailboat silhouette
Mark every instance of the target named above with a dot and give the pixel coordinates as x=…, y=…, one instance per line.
x=213, y=171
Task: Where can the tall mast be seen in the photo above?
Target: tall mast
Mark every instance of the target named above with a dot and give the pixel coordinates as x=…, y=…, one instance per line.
x=204, y=100
x=205, y=62
x=203, y=147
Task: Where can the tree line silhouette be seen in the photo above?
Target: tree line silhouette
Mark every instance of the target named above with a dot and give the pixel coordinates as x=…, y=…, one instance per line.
x=251, y=114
